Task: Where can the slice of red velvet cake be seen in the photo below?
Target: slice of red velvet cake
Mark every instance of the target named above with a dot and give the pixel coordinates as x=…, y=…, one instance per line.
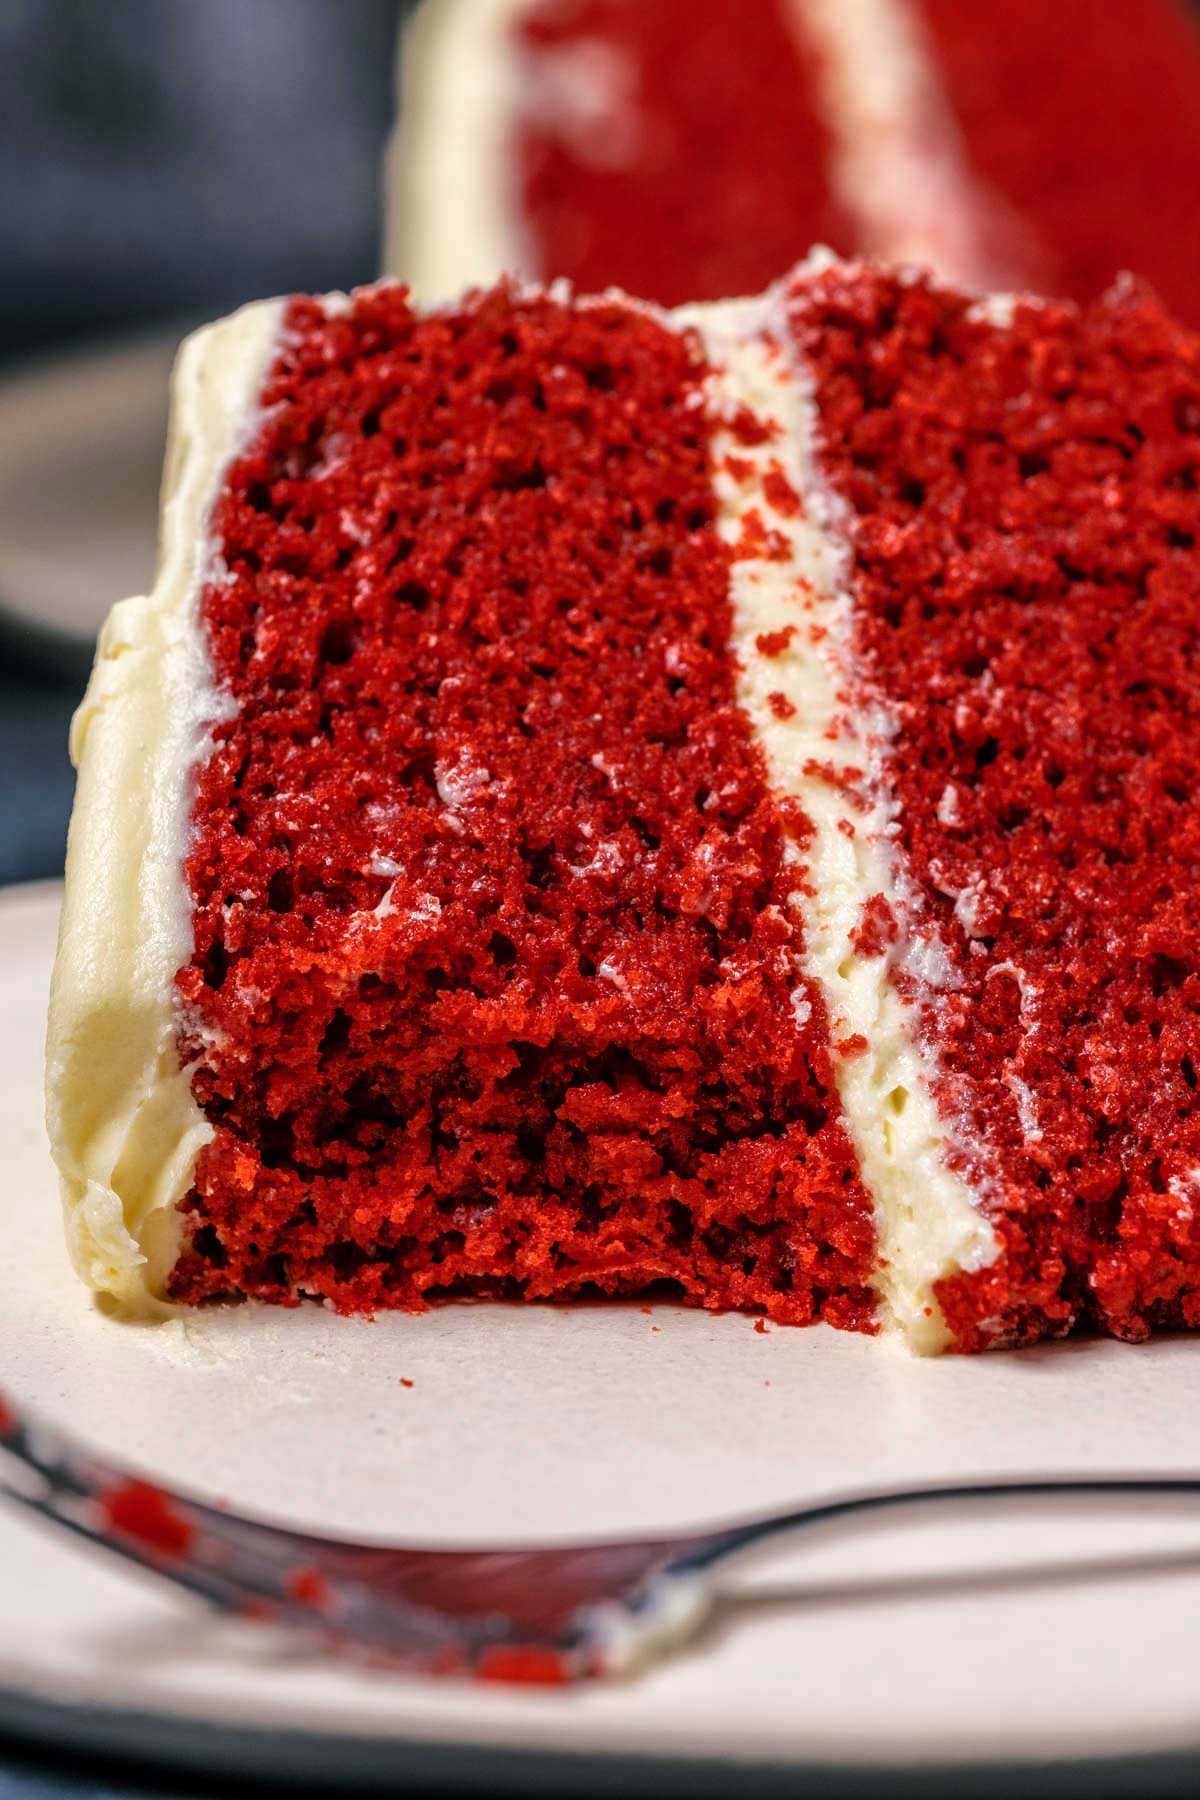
x=690, y=149
x=601, y=798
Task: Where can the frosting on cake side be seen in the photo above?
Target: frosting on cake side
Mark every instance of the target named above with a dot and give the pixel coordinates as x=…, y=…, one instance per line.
x=124, y=1126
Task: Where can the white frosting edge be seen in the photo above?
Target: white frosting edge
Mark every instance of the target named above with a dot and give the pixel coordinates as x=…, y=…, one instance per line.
x=927, y=1217
x=124, y=1129
x=451, y=214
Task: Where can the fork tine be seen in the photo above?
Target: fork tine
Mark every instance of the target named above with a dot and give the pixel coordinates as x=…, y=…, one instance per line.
x=341, y=1609
x=222, y=1594
x=422, y=1609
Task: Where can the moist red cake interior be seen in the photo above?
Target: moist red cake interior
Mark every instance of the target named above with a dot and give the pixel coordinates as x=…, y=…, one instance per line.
x=1084, y=115
x=712, y=173
x=1025, y=514
x=494, y=964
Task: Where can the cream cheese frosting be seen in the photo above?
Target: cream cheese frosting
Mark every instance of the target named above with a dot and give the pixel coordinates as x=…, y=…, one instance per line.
x=927, y=1219
x=124, y=1127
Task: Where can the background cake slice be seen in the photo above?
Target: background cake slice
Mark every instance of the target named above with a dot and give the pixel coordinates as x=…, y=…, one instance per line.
x=684, y=151
x=601, y=797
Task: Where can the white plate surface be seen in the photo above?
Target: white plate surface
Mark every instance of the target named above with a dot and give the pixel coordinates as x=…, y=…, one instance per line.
x=997, y=1634
x=81, y=447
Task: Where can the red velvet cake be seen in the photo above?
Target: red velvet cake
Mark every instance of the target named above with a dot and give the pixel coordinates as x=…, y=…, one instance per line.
x=690, y=149
x=602, y=798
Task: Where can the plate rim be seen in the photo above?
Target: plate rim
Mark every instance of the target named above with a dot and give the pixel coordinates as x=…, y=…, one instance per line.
x=169, y=1741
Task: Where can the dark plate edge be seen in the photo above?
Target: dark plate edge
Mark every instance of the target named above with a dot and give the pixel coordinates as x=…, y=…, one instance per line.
x=158, y=1743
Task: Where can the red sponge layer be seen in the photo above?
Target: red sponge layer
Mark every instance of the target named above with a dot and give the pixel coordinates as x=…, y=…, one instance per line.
x=1025, y=506
x=494, y=968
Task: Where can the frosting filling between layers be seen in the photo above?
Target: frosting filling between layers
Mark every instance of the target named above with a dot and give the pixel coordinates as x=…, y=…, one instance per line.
x=826, y=748
x=898, y=163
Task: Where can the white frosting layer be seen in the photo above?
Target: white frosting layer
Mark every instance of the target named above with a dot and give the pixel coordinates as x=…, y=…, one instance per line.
x=452, y=219
x=123, y=1126
x=927, y=1218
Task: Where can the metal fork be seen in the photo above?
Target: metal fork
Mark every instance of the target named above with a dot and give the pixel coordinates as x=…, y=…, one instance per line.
x=550, y=1616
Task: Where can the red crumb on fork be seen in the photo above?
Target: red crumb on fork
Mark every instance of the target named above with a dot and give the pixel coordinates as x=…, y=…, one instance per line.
x=308, y=1587
x=140, y=1510
x=526, y=1665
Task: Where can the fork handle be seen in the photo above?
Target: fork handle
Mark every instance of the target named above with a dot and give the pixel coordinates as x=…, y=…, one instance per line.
x=706, y=1553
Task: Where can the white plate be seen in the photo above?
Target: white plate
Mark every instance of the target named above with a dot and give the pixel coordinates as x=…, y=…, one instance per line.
x=1007, y=1634
x=81, y=447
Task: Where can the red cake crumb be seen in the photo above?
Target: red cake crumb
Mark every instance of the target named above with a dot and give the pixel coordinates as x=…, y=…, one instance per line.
x=1026, y=508
x=877, y=929
x=750, y=428
x=309, y=1587
x=774, y=643
x=670, y=201
x=760, y=541
x=779, y=492
x=527, y=1665
x=494, y=957
x=140, y=1510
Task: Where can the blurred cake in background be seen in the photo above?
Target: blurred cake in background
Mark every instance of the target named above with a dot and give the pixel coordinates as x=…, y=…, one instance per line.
x=691, y=149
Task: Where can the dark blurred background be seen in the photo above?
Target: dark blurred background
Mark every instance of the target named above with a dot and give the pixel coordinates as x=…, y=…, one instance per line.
x=161, y=161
